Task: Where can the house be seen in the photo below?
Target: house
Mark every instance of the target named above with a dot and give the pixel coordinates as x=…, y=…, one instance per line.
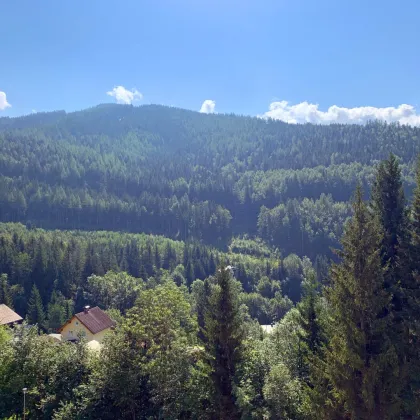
x=91, y=324
x=8, y=316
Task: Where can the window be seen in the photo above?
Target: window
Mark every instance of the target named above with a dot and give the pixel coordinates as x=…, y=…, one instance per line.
x=77, y=323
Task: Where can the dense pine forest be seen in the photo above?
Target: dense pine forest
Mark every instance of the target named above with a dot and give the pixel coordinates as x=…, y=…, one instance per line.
x=192, y=231
x=187, y=175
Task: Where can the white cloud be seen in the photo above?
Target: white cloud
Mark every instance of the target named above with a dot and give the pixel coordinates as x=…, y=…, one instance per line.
x=125, y=96
x=3, y=101
x=208, y=106
x=306, y=112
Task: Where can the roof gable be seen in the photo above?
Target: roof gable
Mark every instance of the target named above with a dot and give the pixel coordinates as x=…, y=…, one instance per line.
x=95, y=320
x=8, y=316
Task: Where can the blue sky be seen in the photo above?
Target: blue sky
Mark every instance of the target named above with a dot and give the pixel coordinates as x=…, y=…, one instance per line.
x=245, y=56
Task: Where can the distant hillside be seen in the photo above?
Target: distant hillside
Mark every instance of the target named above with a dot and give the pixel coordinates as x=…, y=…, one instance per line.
x=187, y=175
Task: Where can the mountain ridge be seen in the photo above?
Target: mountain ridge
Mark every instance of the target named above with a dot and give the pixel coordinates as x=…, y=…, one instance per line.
x=187, y=175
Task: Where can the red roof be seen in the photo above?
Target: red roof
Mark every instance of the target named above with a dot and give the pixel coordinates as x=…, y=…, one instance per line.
x=95, y=320
x=8, y=316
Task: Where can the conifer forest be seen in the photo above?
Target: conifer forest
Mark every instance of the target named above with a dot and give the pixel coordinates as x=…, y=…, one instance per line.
x=253, y=269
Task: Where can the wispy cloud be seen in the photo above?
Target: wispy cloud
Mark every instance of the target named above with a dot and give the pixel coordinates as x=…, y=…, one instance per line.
x=125, y=96
x=3, y=101
x=306, y=112
x=208, y=106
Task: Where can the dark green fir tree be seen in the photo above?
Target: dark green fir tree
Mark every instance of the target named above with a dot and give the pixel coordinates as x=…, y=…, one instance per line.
x=35, y=314
x=224, y=337
x=389, y=205
x=361, y=361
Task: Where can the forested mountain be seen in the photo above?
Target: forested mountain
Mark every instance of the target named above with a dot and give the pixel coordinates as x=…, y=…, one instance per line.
x=188, y=175
x=191, y=231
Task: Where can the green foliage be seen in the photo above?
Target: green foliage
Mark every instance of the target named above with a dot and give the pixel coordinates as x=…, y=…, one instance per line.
x=187, y=343
x=412, y=305
x=36, y=314
x=5, y=293
x=311, y=332
x=60, y=262
x=258, y=306
x=160, y=314
x=251, y=374
x=279, y=306
x=50, y=371
x=59, y=310
x=283, y=391
x=307, y=224
x=6, y=360
x=151, y=366
x=186, y=175
x=268, y=288
x=113, y=290
x=389, y=204
x=224, y=340
x=255, y=247
x=283, y=394
x=362, y=362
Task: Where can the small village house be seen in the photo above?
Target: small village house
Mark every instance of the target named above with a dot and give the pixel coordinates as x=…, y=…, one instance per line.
x=9, y=316
x=91, y=324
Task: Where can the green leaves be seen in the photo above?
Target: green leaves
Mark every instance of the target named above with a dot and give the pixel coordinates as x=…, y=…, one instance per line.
x=160, y=316
x=51, y=371
x=360, y=361
x=113, y=290
x=36, y=314
x=151, y=365
x=224, y=335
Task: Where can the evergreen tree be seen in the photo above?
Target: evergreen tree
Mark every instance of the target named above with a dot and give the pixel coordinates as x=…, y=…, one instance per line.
x=311, y=334
x=224, y=336
x=201, y=290
x=388, y=202
x=212, y=264
x=361, y=362
x=413, y=304
x=158, y=262
x=143, y=273
x=123, y=261
x=133, y=258
x=415, y=224
x=39, y=271
x=79, y=300
x=56, y=316
x=35, y=314
x=389, y=205
x=56, y=310
x=5, y=295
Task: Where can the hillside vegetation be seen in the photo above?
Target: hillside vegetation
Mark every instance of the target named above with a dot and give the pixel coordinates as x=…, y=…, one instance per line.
x=188, y=175
x=191, y=231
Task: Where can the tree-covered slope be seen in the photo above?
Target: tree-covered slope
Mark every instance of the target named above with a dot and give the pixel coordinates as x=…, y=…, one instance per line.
x=188, y=175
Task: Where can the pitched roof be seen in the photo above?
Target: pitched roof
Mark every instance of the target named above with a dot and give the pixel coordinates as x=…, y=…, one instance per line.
x=95, y=320
x=8, y=316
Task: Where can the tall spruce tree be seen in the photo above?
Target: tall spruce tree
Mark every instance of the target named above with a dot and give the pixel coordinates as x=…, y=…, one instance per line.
x=224, y=337
x=35, y=314
x=389, y=204
x=5, y=295
x=361, y=361
x=413, y=304
x=311, y=334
